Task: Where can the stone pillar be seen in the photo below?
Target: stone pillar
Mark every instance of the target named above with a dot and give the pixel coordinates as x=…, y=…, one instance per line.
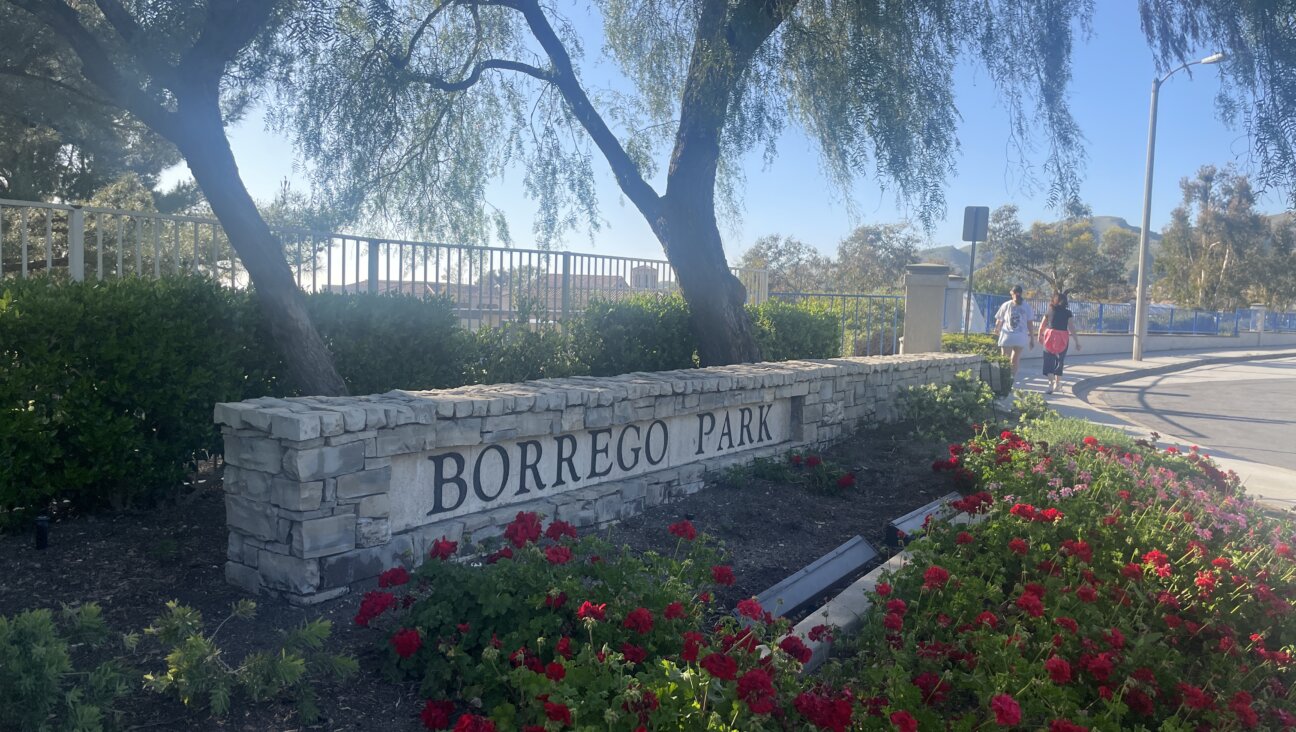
x=955, y=303
x=924, y=307
x=1260, y=311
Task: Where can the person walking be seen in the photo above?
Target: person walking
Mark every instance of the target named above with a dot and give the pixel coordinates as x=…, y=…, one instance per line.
x=1055, y=337
x=1013, y=326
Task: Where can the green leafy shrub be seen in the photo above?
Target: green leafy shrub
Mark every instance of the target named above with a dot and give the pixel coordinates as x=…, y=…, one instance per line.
x=787, y=331
x=199, y=676
x=385, y=342
x=40, y=688
x=940, y=411
x=106, y=389
x=514, y=352
x=640, y=333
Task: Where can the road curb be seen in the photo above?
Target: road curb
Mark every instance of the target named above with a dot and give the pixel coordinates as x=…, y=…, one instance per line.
x=1082, y=388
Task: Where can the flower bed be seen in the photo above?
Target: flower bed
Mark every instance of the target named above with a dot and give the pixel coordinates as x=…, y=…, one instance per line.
x=1104, y=590
x=1100, y=589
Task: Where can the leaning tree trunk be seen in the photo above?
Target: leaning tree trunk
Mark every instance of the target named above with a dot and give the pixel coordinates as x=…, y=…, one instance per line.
x=717, y=299
x=201, y=139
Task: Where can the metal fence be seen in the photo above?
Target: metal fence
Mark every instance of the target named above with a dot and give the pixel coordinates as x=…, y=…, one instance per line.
x=1098, y=317
x=871, y=325
x=488, y=285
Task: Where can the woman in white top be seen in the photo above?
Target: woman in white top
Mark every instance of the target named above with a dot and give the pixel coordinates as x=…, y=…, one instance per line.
x=1013, y=325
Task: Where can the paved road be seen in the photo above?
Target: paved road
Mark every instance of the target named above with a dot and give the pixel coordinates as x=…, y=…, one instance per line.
x=1245, y=410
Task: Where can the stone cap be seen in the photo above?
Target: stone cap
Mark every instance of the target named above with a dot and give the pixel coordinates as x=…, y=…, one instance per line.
x=306, y=418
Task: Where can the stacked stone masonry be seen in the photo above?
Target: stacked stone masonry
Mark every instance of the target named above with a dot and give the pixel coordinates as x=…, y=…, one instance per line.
x=324, y=492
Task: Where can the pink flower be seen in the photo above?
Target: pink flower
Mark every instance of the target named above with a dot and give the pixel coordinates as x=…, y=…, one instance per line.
x=1006, y=710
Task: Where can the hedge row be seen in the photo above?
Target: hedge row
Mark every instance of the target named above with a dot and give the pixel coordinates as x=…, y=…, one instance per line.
x=106, y=389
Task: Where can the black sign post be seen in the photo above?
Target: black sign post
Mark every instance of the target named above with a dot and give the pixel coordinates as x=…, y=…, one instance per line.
x=976, y=224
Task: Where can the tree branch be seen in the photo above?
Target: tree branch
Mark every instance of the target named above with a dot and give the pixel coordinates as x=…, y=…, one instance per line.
x=20, y=73
x=230, y=25
x=564, y=78
x=436, y=82
x=97, y=66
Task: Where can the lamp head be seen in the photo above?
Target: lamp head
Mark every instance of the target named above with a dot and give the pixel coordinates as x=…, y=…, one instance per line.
x=1214, y=58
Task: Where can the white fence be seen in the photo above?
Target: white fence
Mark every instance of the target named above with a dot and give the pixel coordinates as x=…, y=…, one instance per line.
x=487, y=284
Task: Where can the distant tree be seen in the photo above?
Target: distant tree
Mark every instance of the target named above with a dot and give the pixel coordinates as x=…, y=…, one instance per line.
x=63, y=140
x=793, y=265
x=1274, y=281
x=1117, y=245
x=1210, y=250
x=873, y=257
x=185, y=69
x=1052, y=257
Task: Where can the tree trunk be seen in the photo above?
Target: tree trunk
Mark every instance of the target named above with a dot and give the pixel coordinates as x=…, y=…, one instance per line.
x=200, y=136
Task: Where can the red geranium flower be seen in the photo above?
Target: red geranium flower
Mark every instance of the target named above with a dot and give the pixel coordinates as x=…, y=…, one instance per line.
x=558, y=529
x=935, y=577
x=640, y=620
x=796, y=648
x=883, y=589
x=373, y=604
x=1031, y=604
x=904, y=722
x=590, y=610
x=693, y=642
x=524, y=529
x=934, y=688
x=558, y=712
x=553, y=602
x=555, y=671
x=1058, y=670
x=722, y=575
x=892, y=621
x=563, y=647
x=558, y=554
x=756, y=688
x=443, y=549
x=394, y=577
x=720, y=666
x=1006, y=710
x=633, y=653
x=832, y=713
x=846, y=481
x=750, y=608
x=897, y=606
x=436, y=714
x=820, y=633
x=1065, y=725
x=813, y=461
x=683, y=529
x=474, y=723
x=674, y=611
x=406, y=642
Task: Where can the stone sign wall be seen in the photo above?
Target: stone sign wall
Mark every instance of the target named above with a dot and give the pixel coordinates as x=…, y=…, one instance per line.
x=321, y=492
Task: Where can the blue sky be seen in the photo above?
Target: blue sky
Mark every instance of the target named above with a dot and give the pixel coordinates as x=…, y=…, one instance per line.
x=1109, y=97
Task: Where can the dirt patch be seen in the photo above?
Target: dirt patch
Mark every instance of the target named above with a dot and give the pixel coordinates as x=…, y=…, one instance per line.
x=132, y=563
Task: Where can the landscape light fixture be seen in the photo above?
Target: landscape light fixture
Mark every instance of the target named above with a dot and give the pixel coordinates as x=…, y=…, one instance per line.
x=1140, y=299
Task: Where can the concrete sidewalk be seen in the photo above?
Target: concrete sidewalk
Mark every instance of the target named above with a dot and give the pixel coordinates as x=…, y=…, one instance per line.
x=1271, y=485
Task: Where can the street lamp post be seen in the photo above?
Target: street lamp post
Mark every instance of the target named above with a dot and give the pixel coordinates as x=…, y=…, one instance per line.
x=1140, y=301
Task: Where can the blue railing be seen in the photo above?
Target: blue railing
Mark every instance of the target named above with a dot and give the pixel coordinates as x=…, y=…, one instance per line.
x=870, y=324
x=1098, y=317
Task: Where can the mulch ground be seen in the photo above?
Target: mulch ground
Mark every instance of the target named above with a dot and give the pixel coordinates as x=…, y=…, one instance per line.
x=131, y=564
